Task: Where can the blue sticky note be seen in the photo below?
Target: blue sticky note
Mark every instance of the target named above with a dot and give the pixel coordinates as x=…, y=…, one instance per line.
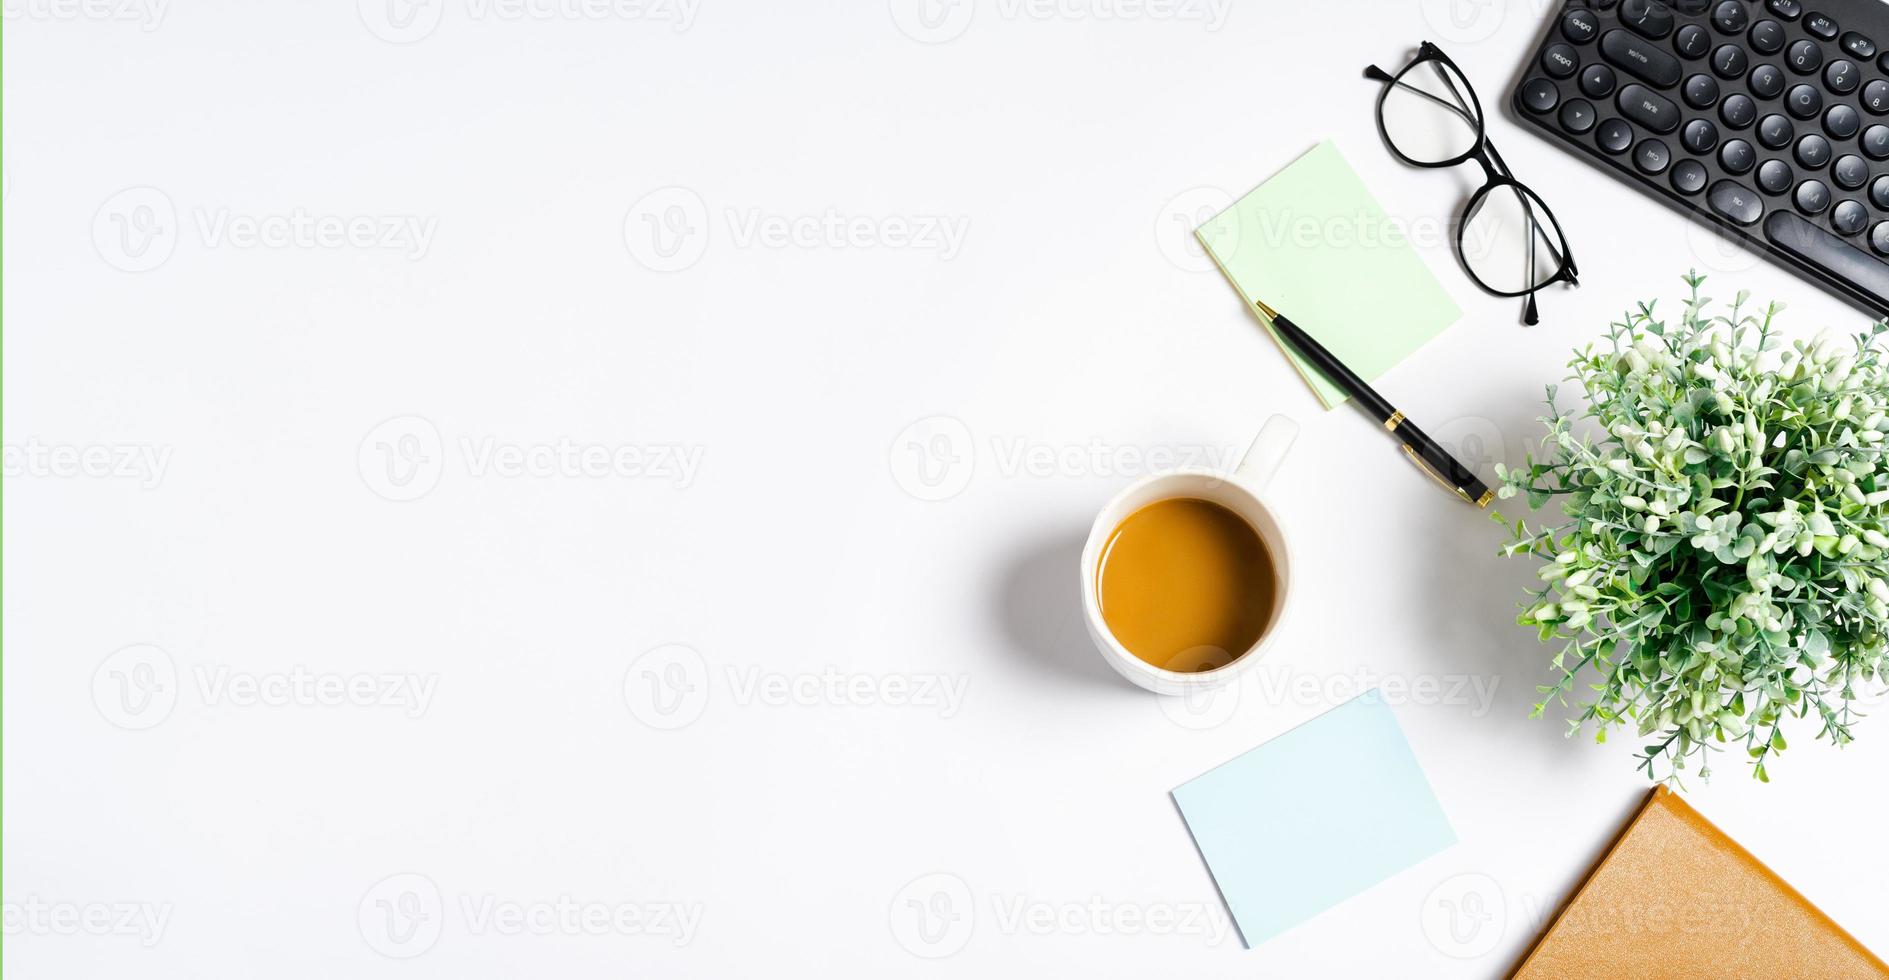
x=1313, y=817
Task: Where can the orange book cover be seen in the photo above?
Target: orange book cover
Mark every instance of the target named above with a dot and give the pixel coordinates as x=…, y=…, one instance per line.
x=1676, y=899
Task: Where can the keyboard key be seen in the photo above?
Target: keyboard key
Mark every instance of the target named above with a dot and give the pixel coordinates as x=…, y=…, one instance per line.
x=1699, y=136
x=1648, y=108
x=1598, y=82
x=1688, y=177
x=1879, y=238
x=1652, y=156
x=1774, y=131
x=1858, y=45
x=1812, y=197
x=1737, y=156
x=1738, y=111
x=1730, y=17
x=1577, y=115
x=1822, y=250
x=1875, y=142
x=1580, y=26
x=1775, y=176
x=1849, y=217
x=1692, y=41
x=1876, y=97
x=1735, y=202
x=1804, y=57
x=1849, y=172
x=1841, y=76
x=1766, y=81
x=1647, y=17
x=1787, y=9
x=1879, y=192
x=1822, y=26
x=1643, y=60
x=1842, y=122
x=1560, y=60
x=1730, y=61
x=1813, y=151
x=1539, y=94
x=1700, y=91
x=1614, y=135
x=1766, y=37
x=1802, y=101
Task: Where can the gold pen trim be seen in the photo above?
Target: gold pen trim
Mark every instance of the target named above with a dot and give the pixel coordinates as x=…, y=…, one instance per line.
x=1434, y=475
x=1266, y=311
x=1487, y=495
x=1396, y=419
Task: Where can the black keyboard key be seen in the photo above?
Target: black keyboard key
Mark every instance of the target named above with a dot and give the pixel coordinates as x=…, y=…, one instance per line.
x=1766, y=37
x=1879, y=238
x=1849, y=217
x=1688, y=177
x=1842, y=122
x=1766, y=81
x=1580, y=26
x=1614, y=135
x=1822, y=250
x=1539, y=94
x=1774, y=131
x=1858, y=45
x=1813, y=151
x=1699, y=137
x=1700, y=91
x=1849, y=172
x=1730, y=61
x=1738, y=111
x=1842, y=76
x=1737, y=156
x=1804, y=57
x=1730, y=17
x=1801, y=101
x=1577, y=115
x=1879, y=192
x=1822, y=26
x=1775, y=176
x=1560, y=60
x=1692, y=41
x=1787, y=9
x=1648, y=108
x=1876, y=97
x=1652, y=156
x=1812, y=197
x=1643, y=60
x=1875, y=142
x=1735, y=202
x=1598, y=81
x=1647, y=17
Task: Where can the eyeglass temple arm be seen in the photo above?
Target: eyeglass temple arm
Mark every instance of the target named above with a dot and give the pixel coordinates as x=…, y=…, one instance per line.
x=1375, y=73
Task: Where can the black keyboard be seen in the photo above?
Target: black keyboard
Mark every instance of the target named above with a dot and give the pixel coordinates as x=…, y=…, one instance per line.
x=1769, y=118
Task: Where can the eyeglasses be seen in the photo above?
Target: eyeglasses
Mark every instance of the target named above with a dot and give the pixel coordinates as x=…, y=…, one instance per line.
x=1506, y=238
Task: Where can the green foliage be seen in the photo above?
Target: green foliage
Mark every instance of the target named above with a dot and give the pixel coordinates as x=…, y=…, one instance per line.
x=1722, y=567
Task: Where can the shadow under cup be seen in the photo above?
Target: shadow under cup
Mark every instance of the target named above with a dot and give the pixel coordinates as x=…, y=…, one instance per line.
x=1208, y=665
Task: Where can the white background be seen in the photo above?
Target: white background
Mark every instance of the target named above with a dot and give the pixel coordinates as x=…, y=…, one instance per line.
x=809, y=379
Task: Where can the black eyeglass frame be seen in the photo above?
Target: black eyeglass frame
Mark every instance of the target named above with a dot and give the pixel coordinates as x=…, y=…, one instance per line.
x=1495, y=171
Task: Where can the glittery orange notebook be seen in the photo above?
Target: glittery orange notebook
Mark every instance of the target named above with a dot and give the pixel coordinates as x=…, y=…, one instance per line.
x=1676, y=899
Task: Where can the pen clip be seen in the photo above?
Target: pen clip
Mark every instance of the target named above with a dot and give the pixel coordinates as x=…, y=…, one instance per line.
x=1424, y=465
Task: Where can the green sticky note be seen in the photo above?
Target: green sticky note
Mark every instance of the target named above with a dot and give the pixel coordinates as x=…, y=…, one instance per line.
x=1313, y=244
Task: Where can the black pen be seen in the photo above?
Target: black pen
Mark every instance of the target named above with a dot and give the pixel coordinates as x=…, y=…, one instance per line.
x=1421, y=449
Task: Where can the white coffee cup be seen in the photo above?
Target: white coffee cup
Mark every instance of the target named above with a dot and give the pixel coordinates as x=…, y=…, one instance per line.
x=1242, y=492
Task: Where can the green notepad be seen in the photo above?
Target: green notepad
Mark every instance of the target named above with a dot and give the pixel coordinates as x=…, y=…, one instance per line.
x=1313, y=244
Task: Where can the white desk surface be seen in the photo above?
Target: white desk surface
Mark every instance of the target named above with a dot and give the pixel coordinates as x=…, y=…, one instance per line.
x=888, y=709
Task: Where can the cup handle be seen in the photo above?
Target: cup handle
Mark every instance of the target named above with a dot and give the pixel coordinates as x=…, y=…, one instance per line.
x=1268, y=450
